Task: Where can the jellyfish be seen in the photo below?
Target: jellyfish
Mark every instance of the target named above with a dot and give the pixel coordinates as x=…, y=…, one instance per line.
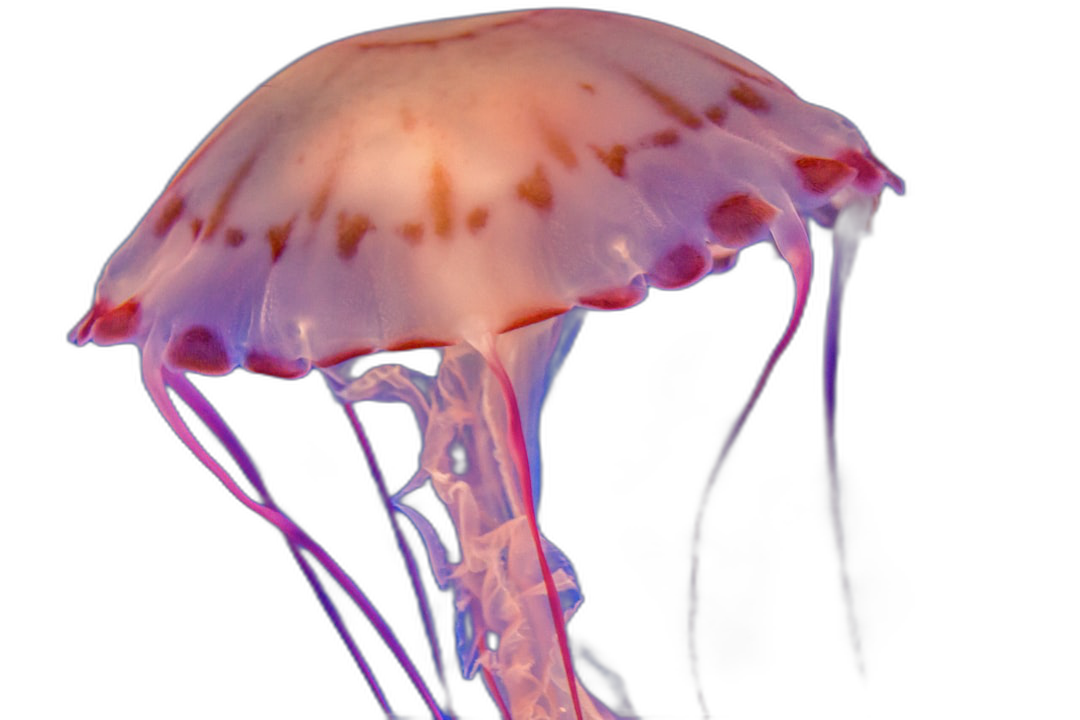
x=473, y=185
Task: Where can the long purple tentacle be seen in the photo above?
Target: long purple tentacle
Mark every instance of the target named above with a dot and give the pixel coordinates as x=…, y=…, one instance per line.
x=157, y=379
x=217, y=425
x=406, y=553
x=845, y=243
x=794, y=245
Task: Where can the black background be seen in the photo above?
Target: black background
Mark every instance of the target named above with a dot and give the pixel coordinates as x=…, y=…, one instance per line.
x=151, y=588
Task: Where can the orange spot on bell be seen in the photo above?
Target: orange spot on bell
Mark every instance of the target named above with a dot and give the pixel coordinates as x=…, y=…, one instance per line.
x=559, y=146
x=749, y=98
x=201, y=350
x=234, y=237
x=536, y=190
x=716, y=114
x=669, y=105
x=412, y=232
x=740, y=220
x=350, y=231
x=439, y=197
x=278, y=237
x=534, y=316
x=477, y=219
x=614, y=158
x=664, y=138
x=822, y=175
x=168, y=216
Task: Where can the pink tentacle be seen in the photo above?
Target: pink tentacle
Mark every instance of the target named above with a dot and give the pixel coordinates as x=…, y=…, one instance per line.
x=851, y=223
x=521, y=462
x=399, y=536
x=206, y=412
x=792, y=240
x=493, y=689
x=157, y=380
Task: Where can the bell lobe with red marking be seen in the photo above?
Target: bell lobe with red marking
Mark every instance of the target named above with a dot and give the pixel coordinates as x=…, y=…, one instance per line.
x=107, y=326
x=617, y=298
x=267, y=364
x=200, y=350
x=740, y=220
x=823, y=175
x=683, y=265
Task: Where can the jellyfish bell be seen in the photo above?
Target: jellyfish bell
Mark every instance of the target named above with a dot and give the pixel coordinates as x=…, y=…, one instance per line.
x=472, y=185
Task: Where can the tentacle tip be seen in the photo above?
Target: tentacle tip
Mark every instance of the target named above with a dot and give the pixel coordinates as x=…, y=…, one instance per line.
x=897, y=184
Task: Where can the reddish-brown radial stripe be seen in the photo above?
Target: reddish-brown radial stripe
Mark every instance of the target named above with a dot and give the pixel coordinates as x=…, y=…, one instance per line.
x=196, y=228
x=439, y=197
x=278, y=237
x=717, y=114
x=726, y=64
x=616, y=298
x=681, y=266
x=670, y=105
x=867, y=175
x=477, y=219
x=222, y=206
x=536, y=190
x=614, y=157
x=533, y=316
x=199, y=349
x=168, y=216
x=267, y=364
x=322, y=199
x=664, y=138
x=822, y=175
x=749, y=98
x=559, y=146
x=234, y=237
x=342, y=356
x=741, y=219
x=350, y=231
x=412, y=232
x=417, y=344
x=117, y=324
x=587, y=87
